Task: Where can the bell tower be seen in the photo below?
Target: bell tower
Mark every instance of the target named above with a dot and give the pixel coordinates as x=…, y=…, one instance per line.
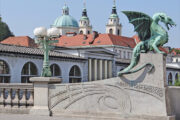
x=84, y=22
x=113, y=26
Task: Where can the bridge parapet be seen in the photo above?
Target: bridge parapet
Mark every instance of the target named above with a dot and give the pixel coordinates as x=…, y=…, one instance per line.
x=15, y=96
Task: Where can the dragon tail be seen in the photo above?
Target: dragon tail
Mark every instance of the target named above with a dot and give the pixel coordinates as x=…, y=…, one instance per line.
x=134, y=61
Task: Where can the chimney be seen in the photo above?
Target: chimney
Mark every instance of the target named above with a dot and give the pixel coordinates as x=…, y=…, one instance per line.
x=94, y=36
x=85, y=37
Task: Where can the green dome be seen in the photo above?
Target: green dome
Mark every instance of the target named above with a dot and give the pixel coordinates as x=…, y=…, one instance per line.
x=65, y=21
x=84, y=18
x=113, y=16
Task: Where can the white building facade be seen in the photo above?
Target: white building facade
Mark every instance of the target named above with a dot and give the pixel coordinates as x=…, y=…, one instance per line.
x=18, y=64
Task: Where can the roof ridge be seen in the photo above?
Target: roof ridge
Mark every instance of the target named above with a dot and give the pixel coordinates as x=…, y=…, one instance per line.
x=109, y=35
x=17, y=45
x=34, y=51
x=20, y=36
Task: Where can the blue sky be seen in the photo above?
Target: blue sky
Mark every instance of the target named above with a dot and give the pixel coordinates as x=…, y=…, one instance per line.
x=23, y=16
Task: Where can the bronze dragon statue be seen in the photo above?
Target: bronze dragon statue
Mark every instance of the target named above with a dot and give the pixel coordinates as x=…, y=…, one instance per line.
x=151, y=34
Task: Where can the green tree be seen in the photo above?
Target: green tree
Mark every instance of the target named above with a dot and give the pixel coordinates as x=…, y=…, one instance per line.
x=177, y=81
x=4, y=31
x=177, y=51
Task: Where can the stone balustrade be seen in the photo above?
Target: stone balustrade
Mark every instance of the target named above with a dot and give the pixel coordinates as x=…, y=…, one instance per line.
x=13, y=95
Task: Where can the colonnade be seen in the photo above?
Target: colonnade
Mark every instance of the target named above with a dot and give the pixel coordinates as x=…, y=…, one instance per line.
x=99, y=69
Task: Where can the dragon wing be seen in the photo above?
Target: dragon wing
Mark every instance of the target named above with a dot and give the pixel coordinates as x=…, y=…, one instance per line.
x=141, y=22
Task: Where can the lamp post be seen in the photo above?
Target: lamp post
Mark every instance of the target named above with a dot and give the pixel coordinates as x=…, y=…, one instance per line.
x=45, y=38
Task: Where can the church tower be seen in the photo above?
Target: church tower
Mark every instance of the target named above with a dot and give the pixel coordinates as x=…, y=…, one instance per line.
x=113, y=26
x=84, y=23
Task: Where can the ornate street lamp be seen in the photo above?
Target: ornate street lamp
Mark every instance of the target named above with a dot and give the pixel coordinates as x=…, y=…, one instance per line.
x=45, y=38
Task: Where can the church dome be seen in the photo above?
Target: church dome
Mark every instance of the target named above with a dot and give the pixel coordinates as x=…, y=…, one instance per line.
x=65, y=20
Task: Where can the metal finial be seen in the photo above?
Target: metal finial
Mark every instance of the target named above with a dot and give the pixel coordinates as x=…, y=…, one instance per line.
x=84, y=3
x=114, y=2
x=65, y=3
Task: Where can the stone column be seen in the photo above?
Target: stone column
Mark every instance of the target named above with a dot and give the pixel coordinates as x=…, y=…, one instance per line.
x=105, y=69
x=41, y=94
x=173, y=77
x=109, y=69
x=100, y=69
x=90, y=70
x=95, y=69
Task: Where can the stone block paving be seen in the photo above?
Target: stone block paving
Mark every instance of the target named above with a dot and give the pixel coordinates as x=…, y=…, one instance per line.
x=4, y=116
x=33, y=117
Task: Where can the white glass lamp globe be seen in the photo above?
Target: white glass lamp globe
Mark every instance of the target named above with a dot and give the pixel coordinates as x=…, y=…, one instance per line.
x=40, y=32
x=53, y=32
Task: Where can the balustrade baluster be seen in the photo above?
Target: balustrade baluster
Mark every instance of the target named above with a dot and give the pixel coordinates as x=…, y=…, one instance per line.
x=23, y=99
x=8, y=98
x=1, y=97
x=31, y=97
x=15, y=100
x=16, y=95
x=4, y=97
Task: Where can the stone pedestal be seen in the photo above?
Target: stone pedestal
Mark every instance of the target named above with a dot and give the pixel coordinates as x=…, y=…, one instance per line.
x=41, y=94
x=137, y=96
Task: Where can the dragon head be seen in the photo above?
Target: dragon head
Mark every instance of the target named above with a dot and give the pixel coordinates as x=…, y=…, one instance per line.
x=166, y=20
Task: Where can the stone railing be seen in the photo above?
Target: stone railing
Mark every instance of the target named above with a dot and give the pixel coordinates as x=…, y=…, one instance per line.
x=14, y=95
x=174, y=97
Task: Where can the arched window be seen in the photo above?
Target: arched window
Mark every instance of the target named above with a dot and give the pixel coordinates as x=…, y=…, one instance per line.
x=118, y=32
x=170, y=79
x=81, y=32
x=110, y=31
x=55, y=70
x=29, y=70
x=4, y=72
x=88, y=32
x=75, y=75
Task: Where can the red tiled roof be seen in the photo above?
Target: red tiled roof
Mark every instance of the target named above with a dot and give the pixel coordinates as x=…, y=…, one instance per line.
x=20, y=41
x=177, y=48
x=173, y=52
x=101, y=39
x=136, y=38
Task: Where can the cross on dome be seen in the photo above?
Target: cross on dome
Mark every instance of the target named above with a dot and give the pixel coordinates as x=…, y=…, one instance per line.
x=114, y=2
x=84, y=3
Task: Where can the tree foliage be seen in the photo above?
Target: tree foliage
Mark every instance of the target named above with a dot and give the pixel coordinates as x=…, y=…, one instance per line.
x=177, y=81
x=177, y=51
x=4, y=31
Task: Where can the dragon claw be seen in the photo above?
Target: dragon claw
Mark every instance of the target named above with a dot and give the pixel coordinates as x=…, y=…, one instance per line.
x=162, y=53
x=119, y=74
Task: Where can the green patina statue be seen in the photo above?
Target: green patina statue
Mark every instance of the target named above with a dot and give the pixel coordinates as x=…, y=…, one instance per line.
x=151, y=34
